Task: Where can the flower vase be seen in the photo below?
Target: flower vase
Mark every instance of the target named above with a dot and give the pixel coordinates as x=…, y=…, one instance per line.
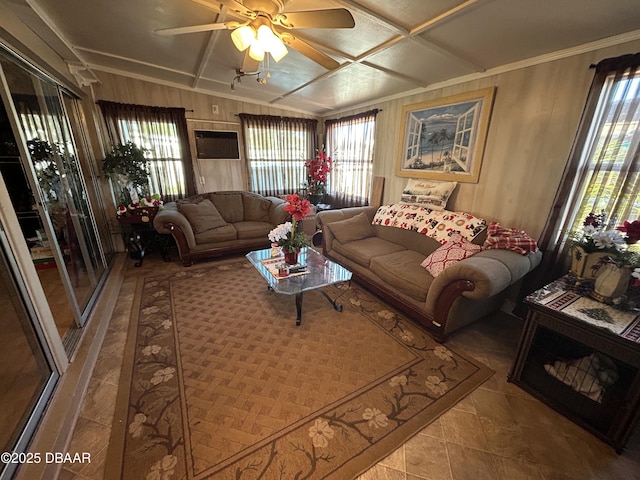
x=316, y=198
x=585, y=265
x=612, y=282
x=291, y=258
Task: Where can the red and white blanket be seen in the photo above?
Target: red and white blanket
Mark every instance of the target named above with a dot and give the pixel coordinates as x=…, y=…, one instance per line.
x=437, y=224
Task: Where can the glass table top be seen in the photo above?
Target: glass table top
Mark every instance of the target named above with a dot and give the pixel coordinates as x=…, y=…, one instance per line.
x=322, y=272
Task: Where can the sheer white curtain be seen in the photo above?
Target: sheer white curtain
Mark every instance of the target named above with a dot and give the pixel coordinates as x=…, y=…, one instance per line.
x=275, y=150
x=350, y=143
x=161, y=131
x=603, y=171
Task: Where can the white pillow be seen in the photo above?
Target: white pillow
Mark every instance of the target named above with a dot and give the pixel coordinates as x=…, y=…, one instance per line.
x=431, y=194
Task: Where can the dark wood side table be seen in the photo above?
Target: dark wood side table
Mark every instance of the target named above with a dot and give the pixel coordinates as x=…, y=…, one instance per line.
x=139, y=234
x=582, y=358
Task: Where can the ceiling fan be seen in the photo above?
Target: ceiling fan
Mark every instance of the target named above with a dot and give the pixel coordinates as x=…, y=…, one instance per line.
x=266, y=27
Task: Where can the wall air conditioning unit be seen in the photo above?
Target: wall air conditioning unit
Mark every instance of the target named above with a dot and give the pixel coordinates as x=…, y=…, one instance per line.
x=217, y=145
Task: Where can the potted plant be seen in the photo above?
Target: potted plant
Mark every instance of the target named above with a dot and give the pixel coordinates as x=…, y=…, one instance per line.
x=128, y=168
x=618, y=272
x=317, y=171
x=285, y=235
x=592, y=245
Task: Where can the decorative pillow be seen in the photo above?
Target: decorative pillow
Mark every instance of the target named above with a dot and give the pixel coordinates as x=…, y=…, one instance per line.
x=202, y=216
x=256, y=209
x=509, y=239
x=428, y=193
x=229, y=205
x=456, y=249
x=352, y=229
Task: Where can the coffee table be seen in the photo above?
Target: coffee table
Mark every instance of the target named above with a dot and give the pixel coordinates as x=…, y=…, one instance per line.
x=322, y=273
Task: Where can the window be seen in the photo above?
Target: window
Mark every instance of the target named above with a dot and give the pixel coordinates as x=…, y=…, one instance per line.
x=163, y=133
x=350, y=142
x=602, y=174
x=276, y=149
x=610, y=164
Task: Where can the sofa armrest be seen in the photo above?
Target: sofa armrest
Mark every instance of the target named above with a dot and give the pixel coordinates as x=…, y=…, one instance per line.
x=487, y=273
x=169, y=216
x=277, y=213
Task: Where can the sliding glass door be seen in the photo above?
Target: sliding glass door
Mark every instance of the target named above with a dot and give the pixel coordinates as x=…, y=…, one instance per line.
x=66, y=249
x=27, y=375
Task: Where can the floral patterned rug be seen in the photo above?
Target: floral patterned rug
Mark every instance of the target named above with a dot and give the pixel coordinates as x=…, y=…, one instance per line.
x=219, y=383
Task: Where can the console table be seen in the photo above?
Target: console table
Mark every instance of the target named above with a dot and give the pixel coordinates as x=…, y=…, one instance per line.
x=582, y=358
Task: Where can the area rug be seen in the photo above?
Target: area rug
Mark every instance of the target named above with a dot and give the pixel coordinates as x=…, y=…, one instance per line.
x=219, y=383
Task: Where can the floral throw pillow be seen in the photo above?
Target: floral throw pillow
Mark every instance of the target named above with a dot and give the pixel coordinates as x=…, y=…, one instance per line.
x=456, y=249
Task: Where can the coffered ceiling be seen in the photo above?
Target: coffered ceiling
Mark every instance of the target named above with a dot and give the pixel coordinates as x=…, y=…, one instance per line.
x=395, y=47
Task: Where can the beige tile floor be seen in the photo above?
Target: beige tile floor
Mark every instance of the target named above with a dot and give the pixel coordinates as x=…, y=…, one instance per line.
x=497, y=432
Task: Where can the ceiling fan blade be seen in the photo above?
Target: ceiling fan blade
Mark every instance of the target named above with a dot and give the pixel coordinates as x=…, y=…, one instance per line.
x=238, y=8
x=330, y=18
x=314, y=54
x=207, y=27
x=249, y=65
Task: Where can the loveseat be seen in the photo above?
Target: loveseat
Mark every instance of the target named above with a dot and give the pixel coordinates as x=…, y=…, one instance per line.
x=388, y=260
x=220, y=223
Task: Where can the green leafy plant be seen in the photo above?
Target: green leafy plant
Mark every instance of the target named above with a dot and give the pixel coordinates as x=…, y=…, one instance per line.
x=128, y=160
x=127, y=165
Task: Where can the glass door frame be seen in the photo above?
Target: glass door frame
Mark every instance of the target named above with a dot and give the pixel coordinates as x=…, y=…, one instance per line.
x=80, y=310
x=42, y=210
x=33, y=420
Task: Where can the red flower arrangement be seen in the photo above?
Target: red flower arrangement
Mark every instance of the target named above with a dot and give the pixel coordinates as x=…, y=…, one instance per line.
x=318, y=170
x=285, y=235
x=297, y=207
x=632, y=229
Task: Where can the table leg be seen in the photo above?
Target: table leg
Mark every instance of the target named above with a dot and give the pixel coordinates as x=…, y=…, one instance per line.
x=334, y=301
x=299, y=308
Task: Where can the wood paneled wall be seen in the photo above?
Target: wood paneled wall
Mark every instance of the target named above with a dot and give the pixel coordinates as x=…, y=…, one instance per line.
x=535, y=115
x=211, y=175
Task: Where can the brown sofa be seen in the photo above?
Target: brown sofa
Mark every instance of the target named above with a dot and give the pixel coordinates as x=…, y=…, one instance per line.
x=220, y=223
x=387, y=260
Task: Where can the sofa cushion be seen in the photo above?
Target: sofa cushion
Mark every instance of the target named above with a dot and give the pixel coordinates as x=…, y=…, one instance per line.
x=402, y=270
x=351, y=229
x=220, y=234
x=256, y=209
x=456, y=249
x=362, y=251
x=253, y=230
x=202, y=215
x=229, y=205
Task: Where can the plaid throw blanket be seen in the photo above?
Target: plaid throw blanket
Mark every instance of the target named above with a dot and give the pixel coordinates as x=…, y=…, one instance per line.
x=509, y=239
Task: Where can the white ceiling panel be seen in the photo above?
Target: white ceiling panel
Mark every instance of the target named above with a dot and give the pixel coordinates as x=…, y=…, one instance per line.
x=395, y=47
x=499, y=32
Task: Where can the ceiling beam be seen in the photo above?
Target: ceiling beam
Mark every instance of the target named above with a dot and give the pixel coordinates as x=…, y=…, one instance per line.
x=212, y=40
x=80, y=64
x=402, y=34
x=413, y=34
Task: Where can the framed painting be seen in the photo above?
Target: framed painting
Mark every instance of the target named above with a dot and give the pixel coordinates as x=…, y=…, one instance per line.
x=444, y=138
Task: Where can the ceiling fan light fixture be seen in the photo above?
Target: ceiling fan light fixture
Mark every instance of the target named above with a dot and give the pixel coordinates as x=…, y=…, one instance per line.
x=271, y=43
x=256, y=51
x=278, y=50
x=243, y=37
